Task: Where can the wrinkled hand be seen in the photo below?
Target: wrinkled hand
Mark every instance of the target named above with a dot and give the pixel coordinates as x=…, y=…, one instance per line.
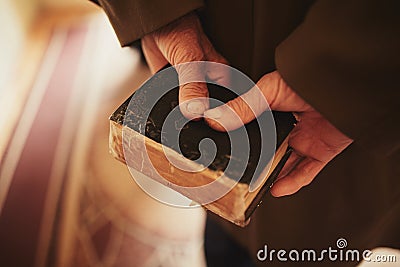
x=179, y=42
x=315, y=141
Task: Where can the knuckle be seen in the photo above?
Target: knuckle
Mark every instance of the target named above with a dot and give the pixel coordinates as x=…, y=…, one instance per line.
x=193, y=90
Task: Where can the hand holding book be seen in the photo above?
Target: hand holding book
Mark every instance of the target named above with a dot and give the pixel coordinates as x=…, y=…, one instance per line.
x=179, y=42
x=315, y=140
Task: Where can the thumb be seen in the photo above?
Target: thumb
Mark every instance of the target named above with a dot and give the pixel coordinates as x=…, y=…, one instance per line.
x=237, y=112
x=270, y=92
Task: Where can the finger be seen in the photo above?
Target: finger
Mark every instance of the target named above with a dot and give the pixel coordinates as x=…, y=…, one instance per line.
x=303, y=174
x=317, y=138
x=290, y=164
x=180, y=42
x=195, y=94
x=154, y=58
x=220, y=72
x=210, y=53
x=193, y=99
x=156, y=61
x=279, y=95
x=245, y=108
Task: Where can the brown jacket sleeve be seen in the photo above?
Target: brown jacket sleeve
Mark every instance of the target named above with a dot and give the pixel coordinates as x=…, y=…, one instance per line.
x=132, y=19
x=344, y=60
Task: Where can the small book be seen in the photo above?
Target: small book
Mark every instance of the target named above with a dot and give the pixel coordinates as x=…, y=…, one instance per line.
x=241, y=198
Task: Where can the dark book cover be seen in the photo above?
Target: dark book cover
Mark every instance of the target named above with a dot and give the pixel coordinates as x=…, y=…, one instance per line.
x=133, y=114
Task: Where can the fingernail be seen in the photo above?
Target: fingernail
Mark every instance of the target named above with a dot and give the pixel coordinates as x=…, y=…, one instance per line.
x=213, y=113
x=196, y=107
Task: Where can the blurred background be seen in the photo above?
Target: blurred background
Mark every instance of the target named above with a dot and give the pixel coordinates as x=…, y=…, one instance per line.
x=64, y=201
x=16, y=17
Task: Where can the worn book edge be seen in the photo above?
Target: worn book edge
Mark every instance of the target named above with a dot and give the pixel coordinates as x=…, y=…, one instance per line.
x=236, y=206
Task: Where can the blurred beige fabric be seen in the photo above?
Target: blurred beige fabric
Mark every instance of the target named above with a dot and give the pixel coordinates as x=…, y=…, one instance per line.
x=103, y=218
